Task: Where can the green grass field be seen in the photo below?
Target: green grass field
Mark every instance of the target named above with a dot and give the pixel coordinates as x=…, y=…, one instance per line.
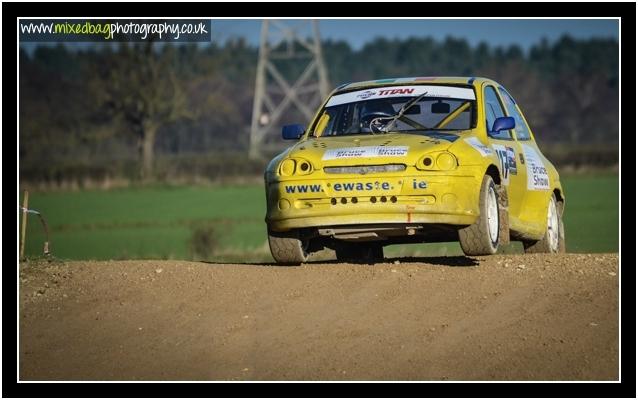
x=226, y=223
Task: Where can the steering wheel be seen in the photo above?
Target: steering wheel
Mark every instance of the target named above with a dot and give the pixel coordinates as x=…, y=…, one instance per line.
x=375, y=121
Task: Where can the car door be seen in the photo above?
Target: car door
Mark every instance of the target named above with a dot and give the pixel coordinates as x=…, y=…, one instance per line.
x=509, y=152
x=536, y=183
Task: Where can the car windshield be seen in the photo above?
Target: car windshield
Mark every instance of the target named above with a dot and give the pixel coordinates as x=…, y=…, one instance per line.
x=409, y=109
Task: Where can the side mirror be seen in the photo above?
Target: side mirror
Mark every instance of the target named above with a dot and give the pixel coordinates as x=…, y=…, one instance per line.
x=292, y=132
x=440, y=108
x=503, y=124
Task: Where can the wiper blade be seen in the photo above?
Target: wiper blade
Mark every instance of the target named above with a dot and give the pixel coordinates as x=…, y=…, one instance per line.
x=402, y=111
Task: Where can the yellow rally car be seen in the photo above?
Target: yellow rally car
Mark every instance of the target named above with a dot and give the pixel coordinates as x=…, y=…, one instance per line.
x=412, y=160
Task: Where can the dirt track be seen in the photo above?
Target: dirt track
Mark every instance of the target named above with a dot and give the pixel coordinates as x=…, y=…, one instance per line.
x=523, y=317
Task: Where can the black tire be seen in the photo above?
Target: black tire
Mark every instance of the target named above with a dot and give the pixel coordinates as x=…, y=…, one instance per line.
x=359, y=253
x=476, y=239
x=549, y=243
x=287, y=248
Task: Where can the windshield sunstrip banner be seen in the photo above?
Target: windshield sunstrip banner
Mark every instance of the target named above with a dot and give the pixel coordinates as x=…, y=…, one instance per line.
x=402, y=91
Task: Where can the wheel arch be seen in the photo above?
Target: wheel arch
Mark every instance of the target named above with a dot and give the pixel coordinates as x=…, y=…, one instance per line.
x=503, y=204
x=493, y=171
x=560, y=199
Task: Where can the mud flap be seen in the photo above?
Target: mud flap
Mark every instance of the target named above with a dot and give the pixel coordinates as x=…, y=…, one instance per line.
x=503, y=216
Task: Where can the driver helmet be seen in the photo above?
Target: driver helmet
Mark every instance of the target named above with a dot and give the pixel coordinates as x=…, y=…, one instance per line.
x=380, y=107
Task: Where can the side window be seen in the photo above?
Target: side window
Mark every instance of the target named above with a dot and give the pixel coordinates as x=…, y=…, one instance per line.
x=493, y=110
x=522, y=133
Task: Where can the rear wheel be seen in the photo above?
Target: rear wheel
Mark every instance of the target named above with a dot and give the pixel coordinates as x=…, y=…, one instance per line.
x=359, y=252
x=554, y=239
x=287, y=247
x=481, y=238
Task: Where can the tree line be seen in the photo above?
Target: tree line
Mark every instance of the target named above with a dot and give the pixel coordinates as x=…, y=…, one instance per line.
x=147, y=111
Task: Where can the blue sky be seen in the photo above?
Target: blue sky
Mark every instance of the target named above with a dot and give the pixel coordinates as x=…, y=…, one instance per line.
x=495, y=32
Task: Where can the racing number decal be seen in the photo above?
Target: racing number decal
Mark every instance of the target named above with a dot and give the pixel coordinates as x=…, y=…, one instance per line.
x=507, y=158
x=502, y=156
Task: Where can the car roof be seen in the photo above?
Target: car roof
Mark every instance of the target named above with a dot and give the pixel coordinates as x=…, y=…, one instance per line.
x=455, y=80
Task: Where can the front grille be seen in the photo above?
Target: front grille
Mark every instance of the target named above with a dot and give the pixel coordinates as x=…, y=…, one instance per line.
x=365, y=169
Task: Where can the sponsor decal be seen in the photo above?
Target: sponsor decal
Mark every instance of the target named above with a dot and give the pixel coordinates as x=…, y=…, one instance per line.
x=387, y=92
x=303, y=188
x=365, y=151
x=478, y=146
x=402, y=91
x=361, y=186
x=537, y=176
x=366, y=94
x=507, y=158
x=352, y=187
x=419, y=184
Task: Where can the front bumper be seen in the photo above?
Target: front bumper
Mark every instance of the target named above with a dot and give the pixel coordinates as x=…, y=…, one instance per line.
x=422, y=198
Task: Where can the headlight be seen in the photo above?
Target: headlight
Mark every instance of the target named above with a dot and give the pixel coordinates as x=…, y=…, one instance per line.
x=295, y=166
x=303, y=167
x=442, y=161
x=287, y=167
x=427, y=162
x=446, y=161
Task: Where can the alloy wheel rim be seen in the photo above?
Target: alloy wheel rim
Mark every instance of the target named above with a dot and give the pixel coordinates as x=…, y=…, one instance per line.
x=552, y=225
x=492, y=215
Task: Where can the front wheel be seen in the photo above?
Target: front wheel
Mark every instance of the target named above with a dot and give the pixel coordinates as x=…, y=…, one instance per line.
x=481, y=238
x=554, y=239
x=287, y=248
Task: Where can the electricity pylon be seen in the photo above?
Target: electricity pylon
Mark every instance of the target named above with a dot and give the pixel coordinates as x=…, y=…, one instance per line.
x=282, y=48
